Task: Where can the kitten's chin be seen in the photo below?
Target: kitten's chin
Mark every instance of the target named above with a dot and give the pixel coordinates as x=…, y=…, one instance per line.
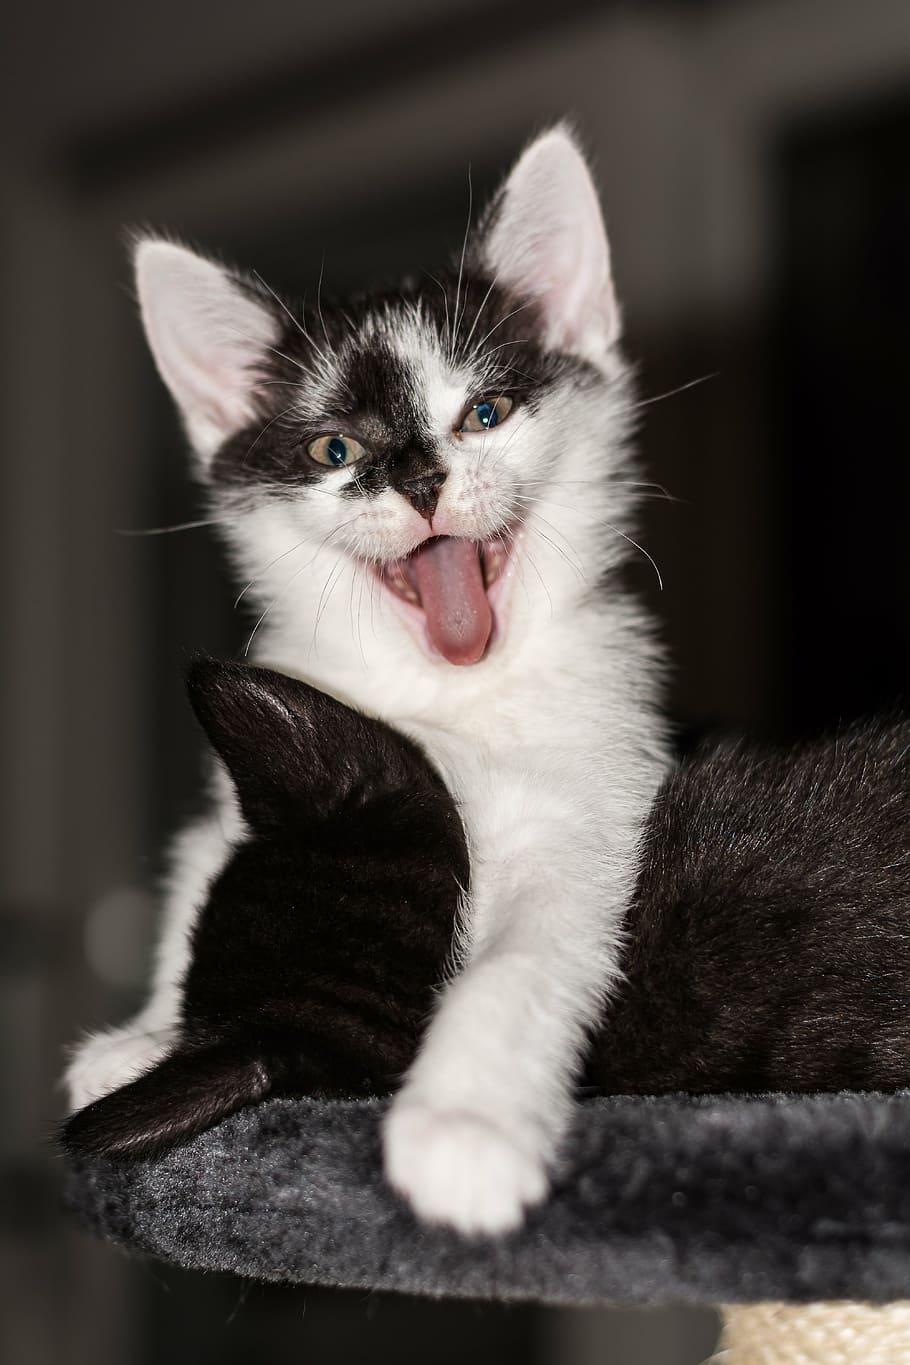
x=452, y=593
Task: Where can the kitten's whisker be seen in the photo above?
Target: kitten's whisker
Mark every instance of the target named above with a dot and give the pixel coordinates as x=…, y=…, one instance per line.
x=270, y=423
x=464, y=246
x=277, y=560
x=670, y=393
x=568, y=554
x=641, y=548
x=283, y=306
x=501, y=454
x=323, y=358
x=290, y=360
x=364, y=574
x=514, y=313
x=510, y=537
x=483, y=304
x=638, y=483
x=375, y=588
x=500, y=346
x=180, y=526
x=445, y=299
x=294, y=576
x=324, y=599
x=275, y=599
x=530, y=558
x=319, y=305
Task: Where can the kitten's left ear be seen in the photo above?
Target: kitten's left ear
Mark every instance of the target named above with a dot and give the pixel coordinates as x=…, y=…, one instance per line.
x=546, y=242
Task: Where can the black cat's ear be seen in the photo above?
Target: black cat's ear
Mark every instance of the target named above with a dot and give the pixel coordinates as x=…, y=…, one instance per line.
x=283, y=742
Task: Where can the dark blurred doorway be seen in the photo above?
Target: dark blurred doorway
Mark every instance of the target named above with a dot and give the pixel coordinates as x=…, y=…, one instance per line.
x=840, y=372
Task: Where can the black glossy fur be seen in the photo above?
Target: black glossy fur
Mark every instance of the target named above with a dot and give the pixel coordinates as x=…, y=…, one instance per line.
x=768, y=939
x=769, y=942
x=315, y=959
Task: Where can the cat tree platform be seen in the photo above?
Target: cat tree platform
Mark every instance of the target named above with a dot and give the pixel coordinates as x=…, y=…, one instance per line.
x=680, y=1198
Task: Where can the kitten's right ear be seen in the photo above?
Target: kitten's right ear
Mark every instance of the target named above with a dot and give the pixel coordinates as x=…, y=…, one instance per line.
x=208, y=334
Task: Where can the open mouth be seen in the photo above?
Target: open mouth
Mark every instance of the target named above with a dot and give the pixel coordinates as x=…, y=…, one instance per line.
x=448, y=579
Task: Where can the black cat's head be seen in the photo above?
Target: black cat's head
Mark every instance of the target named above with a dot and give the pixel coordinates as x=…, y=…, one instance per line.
x=298, y=757
x=309, y=972
x=417, y=449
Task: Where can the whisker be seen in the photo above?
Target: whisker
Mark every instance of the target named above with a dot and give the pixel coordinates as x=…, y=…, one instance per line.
x=277, y=560
x=530, y=558
x=168, y=530
x=648, y=557
x=294, y=576
x=319, y=305
x=510, y=536
x=483, y=304
x=445, y=298
x=270, y=423
x=670, y=393
x=572, y=560
x=364, y=574
x=464, y=246
x=275, y=599
x=514, y=313
x=283, y=306
x=290, y=360
x=330, y=586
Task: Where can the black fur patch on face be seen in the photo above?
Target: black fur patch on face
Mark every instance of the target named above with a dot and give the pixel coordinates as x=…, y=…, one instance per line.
x=369, y=392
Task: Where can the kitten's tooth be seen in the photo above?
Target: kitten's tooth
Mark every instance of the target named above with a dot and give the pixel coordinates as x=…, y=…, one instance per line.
x=492, y=565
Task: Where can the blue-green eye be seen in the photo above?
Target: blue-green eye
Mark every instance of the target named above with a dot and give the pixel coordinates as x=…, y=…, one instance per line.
x=488, y=413
x=338, y=451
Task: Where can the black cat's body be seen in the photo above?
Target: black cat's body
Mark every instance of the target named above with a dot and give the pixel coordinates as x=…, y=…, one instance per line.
x=316, y=957
x=768, y=942
x=769, y=938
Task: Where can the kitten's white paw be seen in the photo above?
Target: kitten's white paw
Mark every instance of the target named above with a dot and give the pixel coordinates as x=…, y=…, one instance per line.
x=105, y=1061
x=455, y=1167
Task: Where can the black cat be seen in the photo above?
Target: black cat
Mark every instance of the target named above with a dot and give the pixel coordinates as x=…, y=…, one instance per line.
x=768, y=942
x=316, y=957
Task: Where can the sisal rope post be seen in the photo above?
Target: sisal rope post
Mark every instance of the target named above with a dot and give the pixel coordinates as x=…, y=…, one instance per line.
x=837, y=1333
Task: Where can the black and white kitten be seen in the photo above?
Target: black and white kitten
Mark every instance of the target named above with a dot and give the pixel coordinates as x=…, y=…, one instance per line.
x=316, y=957
x=428, y=492
x=768, y=941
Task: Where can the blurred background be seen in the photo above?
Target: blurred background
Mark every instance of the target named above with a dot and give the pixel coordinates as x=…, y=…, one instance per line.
x=755, y=164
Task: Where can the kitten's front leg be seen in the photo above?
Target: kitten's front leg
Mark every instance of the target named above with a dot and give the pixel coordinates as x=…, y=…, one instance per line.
x=471, y=1136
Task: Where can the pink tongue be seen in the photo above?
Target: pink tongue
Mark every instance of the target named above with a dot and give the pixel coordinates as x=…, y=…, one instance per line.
x=449, y=579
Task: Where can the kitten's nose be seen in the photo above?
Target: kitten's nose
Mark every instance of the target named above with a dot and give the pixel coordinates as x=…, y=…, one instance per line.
x=423, y=492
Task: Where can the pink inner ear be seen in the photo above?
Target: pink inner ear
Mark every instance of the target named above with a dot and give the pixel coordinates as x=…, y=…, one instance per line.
x=207, y=336
x=548, y=243
x=221, y=392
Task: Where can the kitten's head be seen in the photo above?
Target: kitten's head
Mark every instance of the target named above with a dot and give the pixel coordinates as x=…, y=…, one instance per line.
x=429, y=447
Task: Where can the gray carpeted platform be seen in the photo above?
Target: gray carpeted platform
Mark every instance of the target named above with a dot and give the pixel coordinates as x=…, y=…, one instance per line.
x=677, y=1198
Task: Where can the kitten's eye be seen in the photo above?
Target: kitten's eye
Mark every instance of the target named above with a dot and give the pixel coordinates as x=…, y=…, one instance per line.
x=488, y=413
x=337, y=451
